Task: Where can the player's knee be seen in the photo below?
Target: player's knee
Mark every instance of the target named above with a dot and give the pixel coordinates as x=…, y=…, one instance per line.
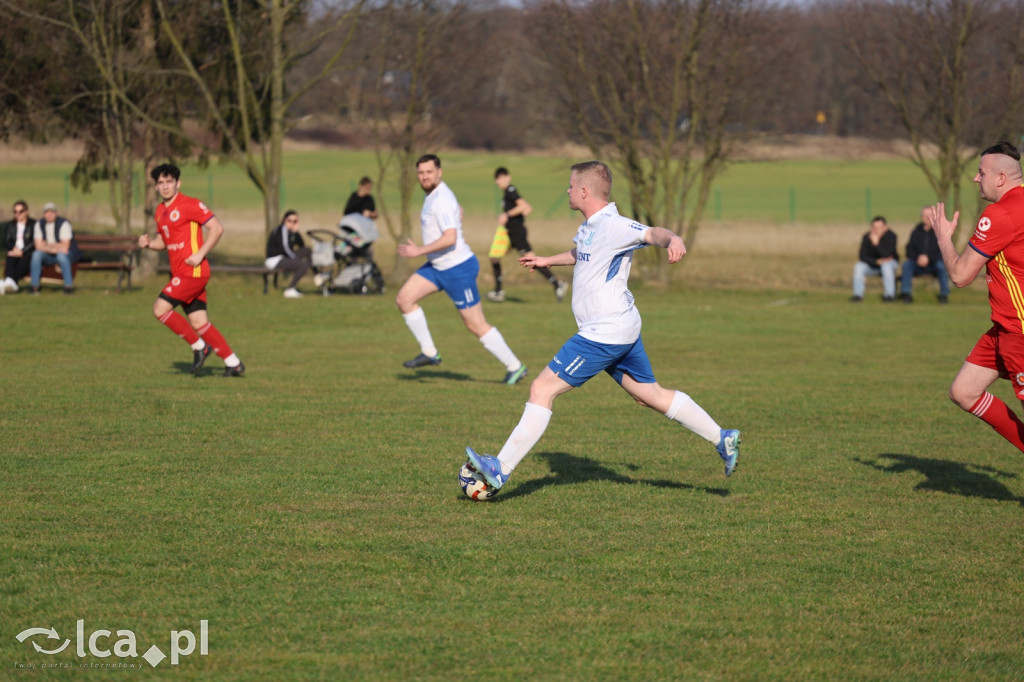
x=961, y=398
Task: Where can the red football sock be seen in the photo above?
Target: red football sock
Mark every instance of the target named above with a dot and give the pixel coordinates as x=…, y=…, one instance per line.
x=216, y=341
x=1000, y=417
x=177, y=324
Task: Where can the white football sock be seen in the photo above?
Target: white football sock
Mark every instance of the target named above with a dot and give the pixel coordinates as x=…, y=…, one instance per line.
x=417, y=323
x=232, y=361
x=494, y=342
x=528, y=431
x=691, y=415
x=199, y=345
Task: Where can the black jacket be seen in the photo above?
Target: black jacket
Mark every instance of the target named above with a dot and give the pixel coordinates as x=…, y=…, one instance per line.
x=284, y=242
x=11, y=235
x=923, y=241
x=871, y=254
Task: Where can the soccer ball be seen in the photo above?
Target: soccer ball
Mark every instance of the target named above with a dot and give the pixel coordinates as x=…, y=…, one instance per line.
x=474, y=484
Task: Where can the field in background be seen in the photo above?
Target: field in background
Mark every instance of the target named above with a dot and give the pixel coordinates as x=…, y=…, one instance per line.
x=309, y=512
x=798, y=221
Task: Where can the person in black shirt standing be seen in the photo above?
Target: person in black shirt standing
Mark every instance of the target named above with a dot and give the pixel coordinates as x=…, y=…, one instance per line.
x=361, y=200
x=512, y=232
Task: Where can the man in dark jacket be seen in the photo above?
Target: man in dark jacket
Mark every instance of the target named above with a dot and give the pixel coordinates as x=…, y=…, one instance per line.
x=878, y=258
x=924, y=258
x=18, y=246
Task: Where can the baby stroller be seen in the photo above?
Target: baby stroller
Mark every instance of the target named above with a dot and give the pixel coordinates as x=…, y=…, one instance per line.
x=343, y=260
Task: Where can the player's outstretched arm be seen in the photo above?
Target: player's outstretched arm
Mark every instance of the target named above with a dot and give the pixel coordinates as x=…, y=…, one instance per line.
x=533, y=261
x=666, y=239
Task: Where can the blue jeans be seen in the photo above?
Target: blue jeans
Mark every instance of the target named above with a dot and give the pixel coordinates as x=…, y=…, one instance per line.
x=39, y=259
x=887, y=271
x=912, y=270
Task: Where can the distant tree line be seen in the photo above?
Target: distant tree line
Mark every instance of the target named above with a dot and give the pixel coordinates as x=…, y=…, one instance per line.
x=666, y=91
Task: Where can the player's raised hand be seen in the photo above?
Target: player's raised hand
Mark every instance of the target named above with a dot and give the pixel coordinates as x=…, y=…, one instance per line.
x=943, y=228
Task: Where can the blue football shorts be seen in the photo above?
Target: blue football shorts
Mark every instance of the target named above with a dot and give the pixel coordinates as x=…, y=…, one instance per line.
x=458, y=282
x=580, y=359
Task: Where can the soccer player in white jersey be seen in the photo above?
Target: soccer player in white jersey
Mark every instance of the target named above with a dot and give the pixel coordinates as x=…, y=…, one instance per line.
x=609, y=327
x=451, y=267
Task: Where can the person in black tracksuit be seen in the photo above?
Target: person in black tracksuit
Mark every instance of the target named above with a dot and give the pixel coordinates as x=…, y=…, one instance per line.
x=286, y=250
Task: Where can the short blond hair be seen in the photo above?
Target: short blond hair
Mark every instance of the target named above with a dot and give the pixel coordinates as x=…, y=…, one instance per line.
x=598, y=177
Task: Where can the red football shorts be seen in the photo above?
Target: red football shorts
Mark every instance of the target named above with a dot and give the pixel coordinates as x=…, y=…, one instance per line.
x=1002, y=351
x=185, y=290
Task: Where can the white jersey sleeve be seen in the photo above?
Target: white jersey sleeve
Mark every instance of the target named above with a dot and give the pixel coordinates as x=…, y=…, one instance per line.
x=601, y=300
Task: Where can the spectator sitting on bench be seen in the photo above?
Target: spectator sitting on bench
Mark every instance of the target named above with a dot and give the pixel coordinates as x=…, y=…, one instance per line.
x=18, y=245
x=52, y=247
x=286, y=250
x=924, y=258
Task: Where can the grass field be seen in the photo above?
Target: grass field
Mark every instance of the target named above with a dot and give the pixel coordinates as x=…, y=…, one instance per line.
x=310, y=514
x=318, y=182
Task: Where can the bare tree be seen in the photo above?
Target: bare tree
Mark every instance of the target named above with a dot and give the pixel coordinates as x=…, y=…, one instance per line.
x=241, y=93
x=948, y=69
x=653, y=86
x=85, y=39
x=421, y=64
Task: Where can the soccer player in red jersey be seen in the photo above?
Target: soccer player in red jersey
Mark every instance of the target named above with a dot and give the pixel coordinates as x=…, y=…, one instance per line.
x=180, y=221
x=998, y=246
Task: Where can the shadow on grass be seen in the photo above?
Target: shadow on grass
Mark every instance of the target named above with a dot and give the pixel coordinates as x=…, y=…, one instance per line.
x=953, y=478
x=186, y=368
x=420, y=375
x=568, y=469
x=204, y=371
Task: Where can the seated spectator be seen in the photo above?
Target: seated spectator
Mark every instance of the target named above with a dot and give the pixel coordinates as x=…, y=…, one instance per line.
x=361, y=201
x=18, y=244
x=52, y=236
x=878, y=258
x=286, y=250
x=924, y=258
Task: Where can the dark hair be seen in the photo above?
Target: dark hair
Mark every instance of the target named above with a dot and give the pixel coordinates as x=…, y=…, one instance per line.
x=428, y=157
x=365, y=180
x=20, y=202
x=165, y=169
x=878, y=218
x=1004, y=148
x=288, y=214
x=501, y=171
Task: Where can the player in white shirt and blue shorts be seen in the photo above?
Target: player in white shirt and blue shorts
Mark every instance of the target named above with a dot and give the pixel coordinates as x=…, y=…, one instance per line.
x=609, y=328
x=451, y=267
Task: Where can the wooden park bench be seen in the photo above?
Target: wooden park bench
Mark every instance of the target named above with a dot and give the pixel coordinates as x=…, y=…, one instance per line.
x=239, y=270
x=111, y=252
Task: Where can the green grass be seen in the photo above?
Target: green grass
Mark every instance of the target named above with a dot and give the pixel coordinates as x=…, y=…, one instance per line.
x=310, y=511
x=815, y=191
